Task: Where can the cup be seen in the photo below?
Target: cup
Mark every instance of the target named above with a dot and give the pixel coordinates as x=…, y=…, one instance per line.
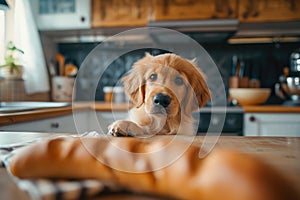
x=118, y=94
x=62, y=88
x=108, y=93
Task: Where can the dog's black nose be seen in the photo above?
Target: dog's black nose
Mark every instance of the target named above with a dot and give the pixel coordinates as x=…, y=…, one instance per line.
x=162, y=100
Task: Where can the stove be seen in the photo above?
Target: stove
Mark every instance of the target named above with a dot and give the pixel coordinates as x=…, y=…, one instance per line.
x=227, y=120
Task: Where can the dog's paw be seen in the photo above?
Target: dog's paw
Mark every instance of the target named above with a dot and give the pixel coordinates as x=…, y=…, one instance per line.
x=124, y=128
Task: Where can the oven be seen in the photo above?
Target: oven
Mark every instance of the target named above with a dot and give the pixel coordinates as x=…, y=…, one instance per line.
x=227, y=120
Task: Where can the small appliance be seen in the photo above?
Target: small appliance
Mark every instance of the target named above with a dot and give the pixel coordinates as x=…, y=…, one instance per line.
x=288, y=87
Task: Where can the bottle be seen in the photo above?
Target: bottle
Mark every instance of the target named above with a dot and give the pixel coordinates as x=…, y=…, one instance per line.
x=254, y=80
x=234, y=79
x=243, y=78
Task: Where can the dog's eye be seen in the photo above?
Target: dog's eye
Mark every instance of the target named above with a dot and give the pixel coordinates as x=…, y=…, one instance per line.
x=153, y=77
x=178, y=81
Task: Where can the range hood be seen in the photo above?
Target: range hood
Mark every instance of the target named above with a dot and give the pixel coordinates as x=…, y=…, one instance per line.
x=267, y=32
x=214, y=30
x=203, y=31
x=220, y=30
x=198, y=25
x=271, y=29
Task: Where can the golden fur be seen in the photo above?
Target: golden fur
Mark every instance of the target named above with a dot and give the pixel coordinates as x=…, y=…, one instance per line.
x=166, y=74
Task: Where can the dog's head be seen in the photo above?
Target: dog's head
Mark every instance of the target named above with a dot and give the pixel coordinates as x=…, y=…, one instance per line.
x=166, y=83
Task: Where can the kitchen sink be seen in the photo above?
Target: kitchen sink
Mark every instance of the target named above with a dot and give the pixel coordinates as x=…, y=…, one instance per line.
x=9, y=107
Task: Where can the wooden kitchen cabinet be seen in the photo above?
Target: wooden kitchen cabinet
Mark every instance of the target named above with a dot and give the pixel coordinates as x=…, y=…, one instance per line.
x=116, y=13
x=268, y=10
x=194, y=9
x=272, y=124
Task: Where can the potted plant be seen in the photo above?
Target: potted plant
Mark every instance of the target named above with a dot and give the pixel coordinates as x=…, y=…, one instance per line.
x=11, y=68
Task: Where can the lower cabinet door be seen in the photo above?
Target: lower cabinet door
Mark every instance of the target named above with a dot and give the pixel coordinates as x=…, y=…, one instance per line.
x=270, y=124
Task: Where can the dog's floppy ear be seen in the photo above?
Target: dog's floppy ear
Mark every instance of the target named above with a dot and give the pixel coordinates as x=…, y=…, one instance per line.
x=200, y=88
x=134, y=87
x=198, y=92
x=134, y=81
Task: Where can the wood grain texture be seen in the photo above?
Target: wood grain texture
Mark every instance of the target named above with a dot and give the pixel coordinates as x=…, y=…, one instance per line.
x=194, y=9
x=113, y=13
x=268, y=10
x=27, y=116
x=283, y=153
x=272, y=109
x=126, y=13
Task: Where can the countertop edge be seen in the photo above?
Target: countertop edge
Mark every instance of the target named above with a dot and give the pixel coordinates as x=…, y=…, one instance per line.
x=271, y=109
x=26, y=116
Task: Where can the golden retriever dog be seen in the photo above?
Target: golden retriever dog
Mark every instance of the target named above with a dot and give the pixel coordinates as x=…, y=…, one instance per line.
x=165, y=90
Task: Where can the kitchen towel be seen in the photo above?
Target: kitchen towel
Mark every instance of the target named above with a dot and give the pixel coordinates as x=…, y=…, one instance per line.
x=47, y=189
x=26, y=37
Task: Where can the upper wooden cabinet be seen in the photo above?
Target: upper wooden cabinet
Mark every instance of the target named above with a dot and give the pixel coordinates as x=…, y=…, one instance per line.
x=113, y=13
x=268, y=10
x=194, y=9
x=118, y=13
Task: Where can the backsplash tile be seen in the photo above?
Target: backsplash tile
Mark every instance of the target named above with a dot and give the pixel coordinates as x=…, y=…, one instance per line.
x=268, y=59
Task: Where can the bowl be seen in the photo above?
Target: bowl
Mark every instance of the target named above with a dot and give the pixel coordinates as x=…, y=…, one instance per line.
x=250, y=96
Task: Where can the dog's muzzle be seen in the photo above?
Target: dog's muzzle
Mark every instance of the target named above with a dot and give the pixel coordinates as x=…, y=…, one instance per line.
x=161, y=100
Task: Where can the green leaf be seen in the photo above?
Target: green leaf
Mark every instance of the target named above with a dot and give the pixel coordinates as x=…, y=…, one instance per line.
x=12, y=47
x=5, y=65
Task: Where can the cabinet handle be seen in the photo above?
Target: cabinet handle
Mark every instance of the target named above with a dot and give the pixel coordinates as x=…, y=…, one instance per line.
x=252, y=119
x=54, y=125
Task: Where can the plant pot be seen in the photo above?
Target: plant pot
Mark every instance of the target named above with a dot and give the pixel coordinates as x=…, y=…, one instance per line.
x=6, y=73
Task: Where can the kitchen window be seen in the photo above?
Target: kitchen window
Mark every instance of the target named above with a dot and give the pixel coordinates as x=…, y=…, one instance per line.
x=2, y=35
x=6, y=28
x=19, y=19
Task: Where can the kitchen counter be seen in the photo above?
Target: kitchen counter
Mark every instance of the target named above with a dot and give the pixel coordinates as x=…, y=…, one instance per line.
x=272, y=109
x=101, y=106
x=18, y=117
x=37, y=114
x=282, y=153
